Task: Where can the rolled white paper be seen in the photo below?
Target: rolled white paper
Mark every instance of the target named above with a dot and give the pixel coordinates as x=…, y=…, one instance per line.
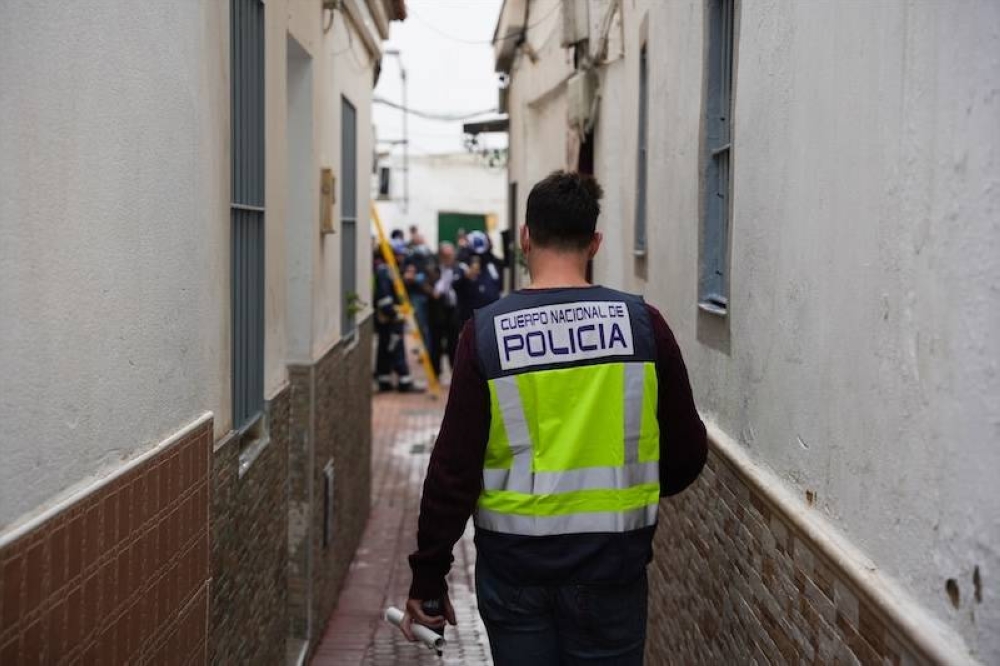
x=428, y=637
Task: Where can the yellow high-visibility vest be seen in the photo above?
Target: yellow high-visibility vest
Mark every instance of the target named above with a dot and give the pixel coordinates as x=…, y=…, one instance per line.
x=574, y=441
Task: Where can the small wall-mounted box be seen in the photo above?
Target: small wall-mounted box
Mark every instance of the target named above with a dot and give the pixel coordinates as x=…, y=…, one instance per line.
x=327, y=187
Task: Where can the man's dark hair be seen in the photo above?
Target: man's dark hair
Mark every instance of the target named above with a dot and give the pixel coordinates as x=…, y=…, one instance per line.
x=396, y=233
x=563, y=209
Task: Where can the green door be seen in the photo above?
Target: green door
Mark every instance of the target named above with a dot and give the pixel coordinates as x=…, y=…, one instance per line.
x=450, y=223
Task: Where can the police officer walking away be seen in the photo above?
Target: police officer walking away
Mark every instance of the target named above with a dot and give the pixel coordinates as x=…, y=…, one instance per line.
x=570, y=414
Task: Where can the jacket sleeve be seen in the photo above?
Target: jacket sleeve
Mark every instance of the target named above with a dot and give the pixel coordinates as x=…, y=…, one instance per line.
x=455, y=473
x=683, y=441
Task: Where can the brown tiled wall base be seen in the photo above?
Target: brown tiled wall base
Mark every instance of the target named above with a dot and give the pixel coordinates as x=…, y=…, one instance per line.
x=330, y=419
x=300, y=380
x=731, y=581
x=343, y=433
x=119, y=576
x=250, y=549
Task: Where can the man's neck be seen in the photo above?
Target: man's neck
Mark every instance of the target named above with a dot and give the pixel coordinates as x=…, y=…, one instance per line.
x=550, y=270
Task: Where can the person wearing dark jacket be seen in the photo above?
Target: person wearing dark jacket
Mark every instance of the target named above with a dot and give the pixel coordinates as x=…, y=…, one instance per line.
x=443, y=309
x=390, y=354
x=479, y=277
x=570, y=415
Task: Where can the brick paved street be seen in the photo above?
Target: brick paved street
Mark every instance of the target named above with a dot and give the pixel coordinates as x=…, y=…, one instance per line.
x=404, y=428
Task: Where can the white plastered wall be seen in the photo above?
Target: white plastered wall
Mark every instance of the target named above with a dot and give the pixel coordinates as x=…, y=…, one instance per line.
x=276, y=13
x=302, y=219
x=859, y=357
x=538, y=134
x=615, y=144
x=303, y=295
x=450, y=182
x=614, y=169
x=114, y=214
x=347, y=70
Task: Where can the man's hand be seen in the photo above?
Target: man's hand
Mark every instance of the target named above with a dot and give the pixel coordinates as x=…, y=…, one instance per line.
x=415, y=613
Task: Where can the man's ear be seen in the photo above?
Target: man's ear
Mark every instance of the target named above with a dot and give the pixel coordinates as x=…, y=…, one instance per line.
x=525, y=240
x=595, y=244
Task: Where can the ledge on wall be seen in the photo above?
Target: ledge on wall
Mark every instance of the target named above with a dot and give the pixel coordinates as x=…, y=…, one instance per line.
x=938, y=642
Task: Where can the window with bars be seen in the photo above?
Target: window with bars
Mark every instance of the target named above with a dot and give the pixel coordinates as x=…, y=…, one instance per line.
x=348, y=213
x=640, y=186
x=247, y=209
x=713, y=289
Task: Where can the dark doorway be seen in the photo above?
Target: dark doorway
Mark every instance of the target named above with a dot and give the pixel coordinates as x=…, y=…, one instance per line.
x=585, y=162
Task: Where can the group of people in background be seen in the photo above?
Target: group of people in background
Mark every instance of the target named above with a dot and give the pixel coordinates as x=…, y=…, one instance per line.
x=444, y=289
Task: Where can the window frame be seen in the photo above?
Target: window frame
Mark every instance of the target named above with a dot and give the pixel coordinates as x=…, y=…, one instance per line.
x=349, y=157
x=247, y=214
x=716, y=214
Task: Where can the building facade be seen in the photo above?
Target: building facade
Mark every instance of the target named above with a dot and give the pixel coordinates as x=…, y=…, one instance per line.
x=187, y=427
x=809, y=193
x=442, y=186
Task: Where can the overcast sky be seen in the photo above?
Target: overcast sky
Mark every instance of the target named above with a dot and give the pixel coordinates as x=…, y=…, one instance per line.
x=445, y=73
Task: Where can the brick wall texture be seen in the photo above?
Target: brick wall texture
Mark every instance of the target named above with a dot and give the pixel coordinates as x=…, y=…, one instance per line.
x=300, y=491
x=121, y=574
x=732, y=582
x=181, y=560
x=343, y=434
x=249, y=557
x=330, y=421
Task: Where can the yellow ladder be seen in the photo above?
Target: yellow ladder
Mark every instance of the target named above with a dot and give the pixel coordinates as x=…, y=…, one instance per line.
x=406, y=308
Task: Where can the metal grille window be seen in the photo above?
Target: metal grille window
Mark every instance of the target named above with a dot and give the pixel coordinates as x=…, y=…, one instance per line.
x=713, y=288
x=640, y=186
x=348, y=213
x=247, y=210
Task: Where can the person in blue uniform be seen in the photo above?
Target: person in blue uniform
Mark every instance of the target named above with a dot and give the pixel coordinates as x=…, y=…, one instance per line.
x=479, y=278
x=390, y=356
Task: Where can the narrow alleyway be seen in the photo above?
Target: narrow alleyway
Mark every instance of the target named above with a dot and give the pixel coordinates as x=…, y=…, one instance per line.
x=404, y=428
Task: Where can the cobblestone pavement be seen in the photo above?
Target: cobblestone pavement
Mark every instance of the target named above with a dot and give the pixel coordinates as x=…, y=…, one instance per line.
x=404, y=428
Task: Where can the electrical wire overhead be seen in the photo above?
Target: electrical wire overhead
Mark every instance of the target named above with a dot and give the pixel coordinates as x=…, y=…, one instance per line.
x=462, y=40
x=430, y=115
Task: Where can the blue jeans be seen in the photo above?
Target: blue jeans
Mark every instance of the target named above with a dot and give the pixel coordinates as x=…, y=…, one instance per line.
x=563, y=625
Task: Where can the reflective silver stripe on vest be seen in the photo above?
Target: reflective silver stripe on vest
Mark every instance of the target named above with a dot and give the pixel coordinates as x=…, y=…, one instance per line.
x=549, y=483
x=518, y=477
x=635, y=382
x=573, y=523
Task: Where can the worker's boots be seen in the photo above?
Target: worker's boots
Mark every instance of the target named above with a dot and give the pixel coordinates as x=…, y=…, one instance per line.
x=406, y=385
